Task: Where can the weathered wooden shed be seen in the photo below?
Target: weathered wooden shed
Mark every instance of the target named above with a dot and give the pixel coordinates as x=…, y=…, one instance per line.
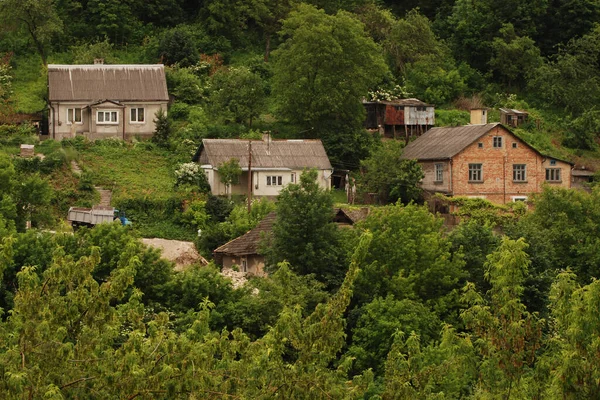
x=512, y=117
x=399, y=118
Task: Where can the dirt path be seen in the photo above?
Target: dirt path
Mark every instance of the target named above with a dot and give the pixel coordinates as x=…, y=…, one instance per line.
x=105, y=194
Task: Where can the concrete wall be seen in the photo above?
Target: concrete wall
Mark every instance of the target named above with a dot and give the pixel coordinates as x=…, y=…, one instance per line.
x=259, y=182
x=60, y=129
x=254, y=263
x=429, y=183
x=498, y=185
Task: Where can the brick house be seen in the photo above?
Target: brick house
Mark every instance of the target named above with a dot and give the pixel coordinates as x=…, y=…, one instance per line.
x=101, y=101
x=484, y=161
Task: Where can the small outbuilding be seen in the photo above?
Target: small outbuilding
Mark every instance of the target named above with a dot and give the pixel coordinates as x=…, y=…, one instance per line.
x=401, y=118
x=513, y=118
x=244, y=251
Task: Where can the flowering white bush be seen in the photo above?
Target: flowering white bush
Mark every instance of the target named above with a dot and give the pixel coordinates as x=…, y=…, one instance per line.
x=188, y=174
x=388, y=94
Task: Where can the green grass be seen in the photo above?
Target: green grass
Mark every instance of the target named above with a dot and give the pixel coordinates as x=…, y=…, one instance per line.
x=29, y=84
x=130, y=170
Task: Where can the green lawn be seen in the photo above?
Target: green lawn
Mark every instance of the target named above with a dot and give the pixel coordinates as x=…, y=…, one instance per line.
x=130, y=170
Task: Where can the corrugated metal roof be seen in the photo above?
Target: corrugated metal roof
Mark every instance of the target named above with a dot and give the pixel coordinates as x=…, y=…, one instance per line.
x=444, y=143
x=581, y=172
x=296, y=154
x=249, y=242
x=402, y=102
x=513, y=111
x=113, y=82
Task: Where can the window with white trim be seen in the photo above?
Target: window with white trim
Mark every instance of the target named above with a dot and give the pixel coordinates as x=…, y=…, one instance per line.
x=137, y=115
x=293, y=177
x=439, y=172
x=475, y=172
x=74, y=116
x=520, y=172
x=107, y=117
x=518, y=198
x=274, y=180
x=553, y=174
x=497, y=141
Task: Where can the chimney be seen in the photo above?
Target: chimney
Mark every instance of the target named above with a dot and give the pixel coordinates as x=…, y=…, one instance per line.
x=479, y=116
x=266, y=137
x=98, y=61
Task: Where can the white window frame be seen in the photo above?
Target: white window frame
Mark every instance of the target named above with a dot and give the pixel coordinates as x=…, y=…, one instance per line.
x=518, y=198
x=474, y=170
x=104, y=113
x=553, y=174
x=439, y=172
x=73, y=115
x=135, y=112
x=274, y=180
x=497, y=142
x=520, y=173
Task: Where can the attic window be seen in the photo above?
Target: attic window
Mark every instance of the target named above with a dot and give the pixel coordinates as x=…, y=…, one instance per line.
x=497, y=142
x=552, y=162
x=480, y=145
x=107, y=117
x=514, y=145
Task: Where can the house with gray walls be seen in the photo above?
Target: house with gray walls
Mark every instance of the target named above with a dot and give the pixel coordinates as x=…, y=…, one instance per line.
x=101, y=101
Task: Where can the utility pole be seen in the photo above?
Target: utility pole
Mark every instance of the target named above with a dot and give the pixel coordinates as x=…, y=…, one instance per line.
x=249, y=176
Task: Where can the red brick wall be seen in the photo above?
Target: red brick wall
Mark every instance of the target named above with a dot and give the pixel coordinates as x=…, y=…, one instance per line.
x=498, y=185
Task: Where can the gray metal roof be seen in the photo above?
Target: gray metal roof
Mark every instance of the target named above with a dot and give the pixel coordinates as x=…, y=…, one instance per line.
x=111, y=82
x=513, y=111
x=445, y=142
x=295, y=154
x=412, y=102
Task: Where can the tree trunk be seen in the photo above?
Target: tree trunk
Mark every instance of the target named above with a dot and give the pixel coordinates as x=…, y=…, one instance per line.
x=267, y=46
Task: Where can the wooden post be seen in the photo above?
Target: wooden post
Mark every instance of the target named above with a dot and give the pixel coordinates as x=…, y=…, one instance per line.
x=249, y=176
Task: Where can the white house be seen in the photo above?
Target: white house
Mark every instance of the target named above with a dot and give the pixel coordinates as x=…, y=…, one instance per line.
x=101, y=101
x=275, y=163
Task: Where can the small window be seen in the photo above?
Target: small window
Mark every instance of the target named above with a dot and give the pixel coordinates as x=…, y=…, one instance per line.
x=553, y=174
x=552, y=162
x=520, y=172
x=475, y=173
x=482, y=112
x=439, y=172
x=107, y=117
x=74, y=116
x=497, y=140
x=480, y=145
x=137, y=115
x=516, y=199
x=515, y=145
x=244, y=264
x=274, y=180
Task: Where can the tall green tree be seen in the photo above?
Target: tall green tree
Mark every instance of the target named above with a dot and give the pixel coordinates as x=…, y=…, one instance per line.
x=304, y=233
x=321, y=71
x=38, y=17
x=391, y=178
x=508, y=335
x=238, y=95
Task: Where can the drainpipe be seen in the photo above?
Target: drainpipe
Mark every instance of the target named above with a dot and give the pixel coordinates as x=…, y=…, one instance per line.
x=53, y=121
x=451, y=179
x=504, y=178
x=123, y=115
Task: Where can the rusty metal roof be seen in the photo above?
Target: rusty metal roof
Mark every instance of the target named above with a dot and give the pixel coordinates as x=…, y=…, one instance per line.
x=111, y=82
x=292, y=154
x=249, y=242
x=444, y=143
